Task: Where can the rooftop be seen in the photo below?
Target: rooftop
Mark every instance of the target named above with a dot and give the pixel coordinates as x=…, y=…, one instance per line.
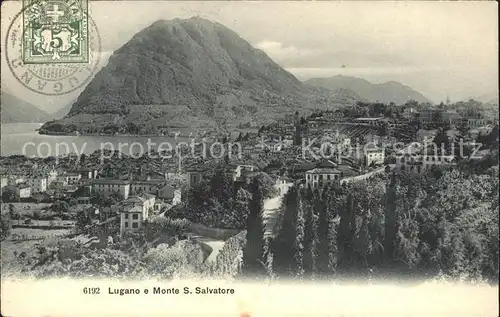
x=132, y=209
x=323, y=171
x=369, y=119
x=111, y=181
x=150, y=182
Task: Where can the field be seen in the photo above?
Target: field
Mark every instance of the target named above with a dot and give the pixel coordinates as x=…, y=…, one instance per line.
x=12, y=247
x=25, y=207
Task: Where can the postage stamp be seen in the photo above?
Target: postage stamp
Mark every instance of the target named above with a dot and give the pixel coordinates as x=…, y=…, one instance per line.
x=55, y=31
x=52, y=64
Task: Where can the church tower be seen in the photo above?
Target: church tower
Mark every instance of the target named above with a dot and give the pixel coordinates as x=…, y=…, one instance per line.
x=298, y=129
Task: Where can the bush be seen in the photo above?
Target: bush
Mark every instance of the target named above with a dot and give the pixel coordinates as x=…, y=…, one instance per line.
x=5, y=227
x=158, y=226
x=229, y=258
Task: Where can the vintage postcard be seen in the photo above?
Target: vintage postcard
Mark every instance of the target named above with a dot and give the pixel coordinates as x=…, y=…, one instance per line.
x=249, y=158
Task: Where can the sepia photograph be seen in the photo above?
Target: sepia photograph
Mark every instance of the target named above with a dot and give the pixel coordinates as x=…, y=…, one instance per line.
x=249, y=158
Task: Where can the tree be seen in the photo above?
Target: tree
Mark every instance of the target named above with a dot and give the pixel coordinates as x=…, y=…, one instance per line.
x=240, y=137
x=441, y=139
x=298, y=255
x=322, y=210
x=82, y=219
x=5, y=227
x=310, y=240
x=9, y=193
x=391, y=225
x=61, y=207
x=253, y=253
x=347, y=229
x=283, y=249
x=13, y=213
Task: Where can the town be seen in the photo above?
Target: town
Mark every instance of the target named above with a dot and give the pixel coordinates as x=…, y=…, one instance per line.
x=170, y=215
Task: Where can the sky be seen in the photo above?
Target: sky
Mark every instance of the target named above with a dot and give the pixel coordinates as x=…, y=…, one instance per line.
x=437, y=48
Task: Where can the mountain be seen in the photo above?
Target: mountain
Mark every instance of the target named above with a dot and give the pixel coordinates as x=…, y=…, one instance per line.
x=15, y=110
x=61, y=113
x=386, y=92
x=188, y=73
x=488, y=98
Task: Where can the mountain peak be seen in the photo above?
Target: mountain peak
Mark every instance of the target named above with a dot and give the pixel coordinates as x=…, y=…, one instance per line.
x=388, y=92
x=174, y=72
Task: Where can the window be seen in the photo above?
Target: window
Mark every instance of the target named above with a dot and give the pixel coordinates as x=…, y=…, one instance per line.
x=126, y=216
x=126, y=224
x=135, y=225
x=135, y=216
x=329, y=176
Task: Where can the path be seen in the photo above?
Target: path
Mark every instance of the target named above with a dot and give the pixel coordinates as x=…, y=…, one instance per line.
x=271, y=210
x=215, y=244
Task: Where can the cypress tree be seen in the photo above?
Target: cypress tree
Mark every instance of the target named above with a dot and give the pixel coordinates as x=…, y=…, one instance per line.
x=391, y=221
x=298, y=255
x=310, y=240
x=253, y=253
x=282, y=246
x=346, y=230
x=323, y=251
x=332, y=245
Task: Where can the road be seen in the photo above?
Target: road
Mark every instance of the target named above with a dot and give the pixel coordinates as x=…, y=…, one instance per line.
x=271, y=209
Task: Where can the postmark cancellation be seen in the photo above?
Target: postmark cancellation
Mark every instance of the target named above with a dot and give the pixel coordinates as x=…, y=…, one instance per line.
x=55, y=31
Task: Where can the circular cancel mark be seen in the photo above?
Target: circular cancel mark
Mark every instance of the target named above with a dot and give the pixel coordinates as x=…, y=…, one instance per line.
x=53, y=78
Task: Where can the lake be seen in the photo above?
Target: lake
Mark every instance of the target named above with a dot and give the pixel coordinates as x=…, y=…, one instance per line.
x=23, y=139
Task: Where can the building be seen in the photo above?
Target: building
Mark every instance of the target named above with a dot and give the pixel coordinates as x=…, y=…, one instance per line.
x=37, y=182
x=282, y=185
x=52, y=176
x=238, y=171
x=409, y=114
x=23, y=190
x=111, y=186
x=426, y=136
x=410, y=163
x=320, y=176
x=87, y=173
x=374, y=156
x=418, y=163
x=15, y=178
x=194, y=178
x=134, y=210
x=377, y=121
x=73, y=178
x=169, y=194
x=452, y=118
x=473, y=123
x=4, y=181
x=430, y=116
x=62, y=179
x=83, y=200
x=148, y=186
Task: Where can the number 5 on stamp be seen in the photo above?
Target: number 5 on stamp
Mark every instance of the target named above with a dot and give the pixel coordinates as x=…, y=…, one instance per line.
x=55, y=31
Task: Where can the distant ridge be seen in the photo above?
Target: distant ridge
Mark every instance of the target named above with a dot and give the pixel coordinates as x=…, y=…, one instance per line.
x=391, y=91
x=15, y=110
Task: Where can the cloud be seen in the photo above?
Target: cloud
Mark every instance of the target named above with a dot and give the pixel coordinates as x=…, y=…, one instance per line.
x=282, y=53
